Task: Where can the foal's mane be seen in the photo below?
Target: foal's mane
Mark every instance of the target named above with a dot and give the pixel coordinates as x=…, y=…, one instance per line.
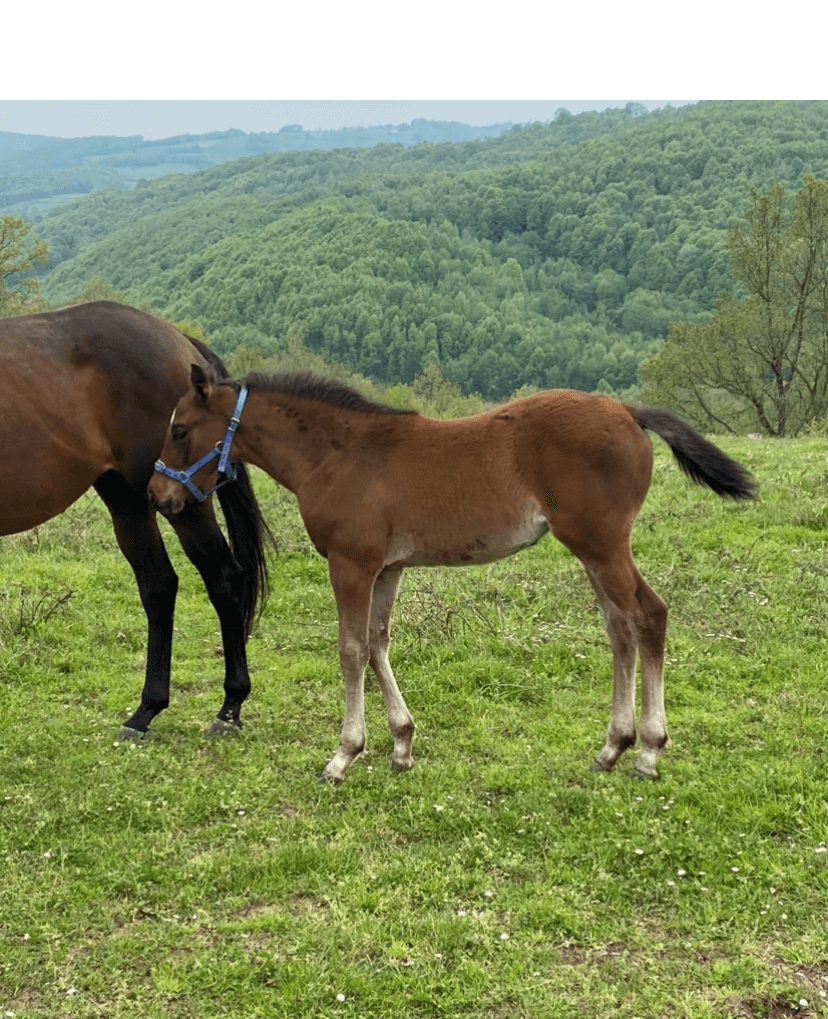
x=309, y=387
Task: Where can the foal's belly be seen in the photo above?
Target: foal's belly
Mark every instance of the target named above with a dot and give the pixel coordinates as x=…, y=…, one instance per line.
x=457, y=545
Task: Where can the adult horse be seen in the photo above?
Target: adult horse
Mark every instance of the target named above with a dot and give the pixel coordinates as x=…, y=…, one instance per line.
x=86, y=395
x=381, y=489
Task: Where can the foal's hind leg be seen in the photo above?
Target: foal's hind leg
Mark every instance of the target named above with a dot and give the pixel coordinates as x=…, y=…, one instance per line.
x=621, y=731
x=379, y=636
x=652, y=729
x=634, y=614
x=201, y=538
x=140, y=541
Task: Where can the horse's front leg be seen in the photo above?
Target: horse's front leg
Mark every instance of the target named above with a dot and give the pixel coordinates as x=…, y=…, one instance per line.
x=200, y=535
x=399, y=718
x=140, y=541
x=353, y=584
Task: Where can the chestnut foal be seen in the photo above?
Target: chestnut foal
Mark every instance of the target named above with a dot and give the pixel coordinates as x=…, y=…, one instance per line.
x=380, y=489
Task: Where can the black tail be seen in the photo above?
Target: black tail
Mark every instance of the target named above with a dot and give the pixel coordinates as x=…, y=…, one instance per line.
x=248, y=532
x=246, y=528
x=700, y=460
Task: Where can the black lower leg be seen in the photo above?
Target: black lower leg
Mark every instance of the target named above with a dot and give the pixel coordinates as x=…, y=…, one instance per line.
x=205, y=546
x=138, y=537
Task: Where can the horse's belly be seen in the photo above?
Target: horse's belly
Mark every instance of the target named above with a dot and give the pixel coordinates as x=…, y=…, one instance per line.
x=455, y=545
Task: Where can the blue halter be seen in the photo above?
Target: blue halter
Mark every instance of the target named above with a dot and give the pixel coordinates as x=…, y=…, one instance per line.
x=221, y=450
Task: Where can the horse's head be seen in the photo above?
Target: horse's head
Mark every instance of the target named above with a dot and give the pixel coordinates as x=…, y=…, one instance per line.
x=197, y=447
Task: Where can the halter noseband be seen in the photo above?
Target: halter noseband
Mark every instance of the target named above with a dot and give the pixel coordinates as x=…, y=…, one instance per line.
x=221, y=450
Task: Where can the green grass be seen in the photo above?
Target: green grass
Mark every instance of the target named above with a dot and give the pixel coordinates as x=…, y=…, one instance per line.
x=191, y=878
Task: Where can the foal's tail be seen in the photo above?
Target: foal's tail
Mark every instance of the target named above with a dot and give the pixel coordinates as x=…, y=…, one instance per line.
x=700, y=460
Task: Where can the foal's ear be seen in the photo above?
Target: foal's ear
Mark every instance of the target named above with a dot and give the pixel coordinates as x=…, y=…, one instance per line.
x=201, y=384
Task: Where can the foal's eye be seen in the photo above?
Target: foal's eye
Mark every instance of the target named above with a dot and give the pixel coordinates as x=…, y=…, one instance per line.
x=179, y=432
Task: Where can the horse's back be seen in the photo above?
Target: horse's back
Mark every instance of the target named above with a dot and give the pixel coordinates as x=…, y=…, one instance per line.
x=83, y=390
x=579, y=461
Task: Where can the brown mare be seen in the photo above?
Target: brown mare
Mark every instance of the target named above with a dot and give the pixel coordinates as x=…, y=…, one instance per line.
x=380, y=489
x=86, y=395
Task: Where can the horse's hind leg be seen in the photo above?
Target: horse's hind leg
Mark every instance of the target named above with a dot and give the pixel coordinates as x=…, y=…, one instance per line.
x=634, y=615
x=621, y=731
x=652, y=728
x=379, y=637
x=200, y=535
x=138, y=537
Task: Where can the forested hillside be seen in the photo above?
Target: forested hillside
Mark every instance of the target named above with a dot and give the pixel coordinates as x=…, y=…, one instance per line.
x=39, y=174
x=553, y=255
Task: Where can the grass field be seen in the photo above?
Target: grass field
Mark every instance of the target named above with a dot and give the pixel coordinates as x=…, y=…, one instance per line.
x=183, y=877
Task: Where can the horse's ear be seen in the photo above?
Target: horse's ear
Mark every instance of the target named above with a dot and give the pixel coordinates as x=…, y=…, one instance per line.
x=201, y=384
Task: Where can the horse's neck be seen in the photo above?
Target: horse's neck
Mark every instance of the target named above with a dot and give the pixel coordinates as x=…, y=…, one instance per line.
x=288, y=445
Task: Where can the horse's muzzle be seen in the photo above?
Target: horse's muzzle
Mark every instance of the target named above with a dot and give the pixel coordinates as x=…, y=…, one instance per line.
x=165, y=502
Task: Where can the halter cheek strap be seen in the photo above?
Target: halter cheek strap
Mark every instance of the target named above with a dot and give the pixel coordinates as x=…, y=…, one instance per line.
x=221, y=450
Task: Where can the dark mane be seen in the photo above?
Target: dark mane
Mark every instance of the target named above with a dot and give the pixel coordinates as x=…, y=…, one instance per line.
x=308, y=386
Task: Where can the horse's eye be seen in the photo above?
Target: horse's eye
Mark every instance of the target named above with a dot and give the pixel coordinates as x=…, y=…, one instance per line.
x=179, y=432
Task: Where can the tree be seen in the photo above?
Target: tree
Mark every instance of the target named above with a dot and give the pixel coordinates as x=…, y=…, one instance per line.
x=192, y=329
x=19, y=296
x=97, y=290
x=764, y=359
x=246, y=359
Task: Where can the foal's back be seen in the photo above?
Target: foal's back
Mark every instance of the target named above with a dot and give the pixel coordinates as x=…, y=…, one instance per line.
x=478, y=489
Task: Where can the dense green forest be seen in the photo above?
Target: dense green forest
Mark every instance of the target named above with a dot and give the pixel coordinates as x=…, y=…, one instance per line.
x=553, y=255
x=38, y=173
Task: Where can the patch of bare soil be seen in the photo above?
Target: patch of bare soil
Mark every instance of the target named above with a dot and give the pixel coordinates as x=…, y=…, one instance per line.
x=811, y=983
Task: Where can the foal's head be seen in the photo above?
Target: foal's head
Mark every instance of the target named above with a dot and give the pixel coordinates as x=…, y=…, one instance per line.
x=197, y=427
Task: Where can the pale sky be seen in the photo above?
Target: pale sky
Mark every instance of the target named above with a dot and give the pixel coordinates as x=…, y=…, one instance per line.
x=164, y=50
x=164, y=118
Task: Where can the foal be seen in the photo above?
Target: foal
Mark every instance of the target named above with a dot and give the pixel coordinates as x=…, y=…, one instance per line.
x=380, y=489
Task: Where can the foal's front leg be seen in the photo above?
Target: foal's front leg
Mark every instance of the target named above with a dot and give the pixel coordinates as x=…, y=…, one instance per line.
x=353, y=583
x=379, y=637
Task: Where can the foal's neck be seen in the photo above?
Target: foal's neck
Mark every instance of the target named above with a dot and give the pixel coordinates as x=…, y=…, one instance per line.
x=288, y=436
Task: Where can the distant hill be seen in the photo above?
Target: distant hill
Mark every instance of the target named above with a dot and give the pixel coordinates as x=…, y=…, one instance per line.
x=549, y=255
x=39, y=173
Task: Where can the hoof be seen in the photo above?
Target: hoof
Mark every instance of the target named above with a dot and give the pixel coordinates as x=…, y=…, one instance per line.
x=128, y=735
x=397, y=768
x=325, y=779
x=220, y=727
x=595, y=766
x=643, y=776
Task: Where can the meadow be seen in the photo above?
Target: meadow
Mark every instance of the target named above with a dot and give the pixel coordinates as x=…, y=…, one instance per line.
x=189, y=878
